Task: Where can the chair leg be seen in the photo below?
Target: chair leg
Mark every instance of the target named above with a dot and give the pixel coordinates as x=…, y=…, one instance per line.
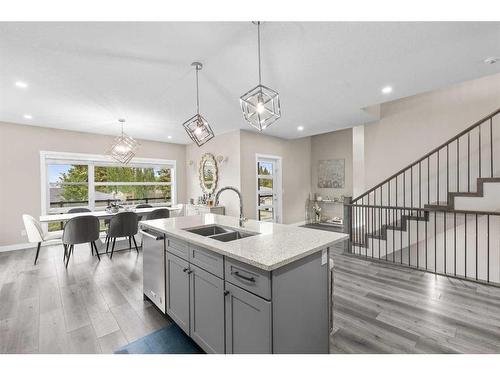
x=135, y=244
x=37, y=251
x=129, y=242
x=92, y=250
x=65, y=252
x=113, y=248
x=107, y=243
x=69, y=254
x=96, y=251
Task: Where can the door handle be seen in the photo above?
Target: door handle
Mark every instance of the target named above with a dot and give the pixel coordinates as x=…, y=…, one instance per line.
x=226, y=292
x=185, y=269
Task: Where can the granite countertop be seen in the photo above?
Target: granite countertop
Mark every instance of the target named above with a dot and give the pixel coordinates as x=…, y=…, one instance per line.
x=275, y=246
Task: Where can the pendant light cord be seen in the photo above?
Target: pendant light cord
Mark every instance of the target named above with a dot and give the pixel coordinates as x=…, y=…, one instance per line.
x=197, y=93
x=258, y=44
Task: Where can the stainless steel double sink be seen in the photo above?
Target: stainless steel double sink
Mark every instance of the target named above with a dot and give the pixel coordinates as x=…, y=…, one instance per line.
x=220, y=233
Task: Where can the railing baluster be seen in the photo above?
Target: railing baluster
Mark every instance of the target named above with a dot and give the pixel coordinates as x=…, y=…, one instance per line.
x=428, y=181
x=468, y=162
x=444, y=230
x=404, y=189
x=491, y=146
x=426, y=252
x=476, y=248
x=447, y=173
x=409, y=242
x=458, y=164
x=437, y=177
x=455, y=243
x=419, y=185
x=479, y=151
x=465, y=245
x=435, y=238
x=488, y=248
x=367, y=226
x=411, y=187
x=380, y=224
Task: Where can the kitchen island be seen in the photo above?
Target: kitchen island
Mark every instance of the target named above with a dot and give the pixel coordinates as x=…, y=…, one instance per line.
x=261, y=288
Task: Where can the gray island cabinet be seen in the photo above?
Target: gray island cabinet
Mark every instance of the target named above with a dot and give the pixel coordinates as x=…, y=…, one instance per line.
x=228, y=303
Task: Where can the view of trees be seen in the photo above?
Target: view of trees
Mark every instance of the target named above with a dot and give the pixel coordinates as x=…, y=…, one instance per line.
x=73, y=183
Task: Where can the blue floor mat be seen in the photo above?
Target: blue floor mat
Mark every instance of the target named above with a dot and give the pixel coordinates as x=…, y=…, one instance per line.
x=168, y=340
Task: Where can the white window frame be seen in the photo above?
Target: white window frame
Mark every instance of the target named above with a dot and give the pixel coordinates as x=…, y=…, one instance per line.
x=93, y=160
x=277, y=186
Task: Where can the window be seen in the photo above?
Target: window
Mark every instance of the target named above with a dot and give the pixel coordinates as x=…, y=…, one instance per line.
x=93, y=181
x=68, y=186
x=136, y=184
x=268, y=188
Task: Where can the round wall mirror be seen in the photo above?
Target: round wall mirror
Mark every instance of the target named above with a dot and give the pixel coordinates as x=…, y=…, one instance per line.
x=208, y=173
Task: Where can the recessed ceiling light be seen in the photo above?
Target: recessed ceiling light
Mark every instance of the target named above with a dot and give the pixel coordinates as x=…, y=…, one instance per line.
x=169, y=137
x=28, y=117
x=300, y=128
x=490, y=60
x=387, y=90
x=21, y=84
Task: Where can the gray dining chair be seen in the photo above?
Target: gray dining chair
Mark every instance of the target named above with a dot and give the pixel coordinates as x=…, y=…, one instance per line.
x=160, y=213
x=143, y=205
x=78, y=210
x=123, y=224
x=81, y=229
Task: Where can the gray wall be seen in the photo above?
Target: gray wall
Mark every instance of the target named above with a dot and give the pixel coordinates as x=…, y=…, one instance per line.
x=20, y=147
x=228, y=146
x=296, y=172
x=411, y=127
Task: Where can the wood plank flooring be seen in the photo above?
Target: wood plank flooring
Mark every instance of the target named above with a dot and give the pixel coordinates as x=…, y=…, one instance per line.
x=92, y=307
x=382, y=308
x=97, y=307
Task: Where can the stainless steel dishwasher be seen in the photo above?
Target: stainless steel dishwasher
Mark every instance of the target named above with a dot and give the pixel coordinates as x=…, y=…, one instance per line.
x=153, y=247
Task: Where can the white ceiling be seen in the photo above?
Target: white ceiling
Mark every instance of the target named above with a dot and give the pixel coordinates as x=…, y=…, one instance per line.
x=84, y=76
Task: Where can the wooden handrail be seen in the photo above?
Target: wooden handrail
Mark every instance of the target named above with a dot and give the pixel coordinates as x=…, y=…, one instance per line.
x=430, y=153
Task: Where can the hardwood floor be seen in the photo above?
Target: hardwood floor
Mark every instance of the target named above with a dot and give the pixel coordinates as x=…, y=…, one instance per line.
x=381, y=308
x=97, y=307
x=92, y=307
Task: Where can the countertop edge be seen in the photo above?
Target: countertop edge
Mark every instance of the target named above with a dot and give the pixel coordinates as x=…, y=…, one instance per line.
x=243, y=259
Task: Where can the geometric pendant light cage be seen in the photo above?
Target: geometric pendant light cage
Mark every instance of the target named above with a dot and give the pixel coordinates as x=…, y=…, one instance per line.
x=261, y=105
x=197, y=127
x=124, y=147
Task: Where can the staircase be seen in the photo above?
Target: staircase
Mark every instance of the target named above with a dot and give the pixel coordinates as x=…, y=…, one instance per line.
x=441, y=213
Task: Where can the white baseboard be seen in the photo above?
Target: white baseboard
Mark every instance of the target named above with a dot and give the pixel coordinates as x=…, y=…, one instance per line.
x=27, y=245
x=17, y=246
x=298, y=224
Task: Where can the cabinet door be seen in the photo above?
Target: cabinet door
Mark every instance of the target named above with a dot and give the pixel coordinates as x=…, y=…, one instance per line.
x=207, y=310
x=248, y=322
x=177, y=290
x=153, y=249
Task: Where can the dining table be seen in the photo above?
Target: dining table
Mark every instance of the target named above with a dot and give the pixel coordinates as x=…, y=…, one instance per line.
x=108, y=214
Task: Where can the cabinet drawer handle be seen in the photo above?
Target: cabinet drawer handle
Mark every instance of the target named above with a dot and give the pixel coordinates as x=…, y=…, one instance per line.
x=226, y=292
x=190, y=272
x=251, y=279
x=185, y=269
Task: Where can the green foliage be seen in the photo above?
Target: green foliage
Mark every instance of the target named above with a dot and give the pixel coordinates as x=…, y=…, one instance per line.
x=79, y=173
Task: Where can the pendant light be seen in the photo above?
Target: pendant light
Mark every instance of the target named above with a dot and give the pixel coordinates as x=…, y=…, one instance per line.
x=197, y=127
x=123, y=147
x=260, y=105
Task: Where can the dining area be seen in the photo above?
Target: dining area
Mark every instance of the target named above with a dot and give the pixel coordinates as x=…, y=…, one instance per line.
x=105, y=231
